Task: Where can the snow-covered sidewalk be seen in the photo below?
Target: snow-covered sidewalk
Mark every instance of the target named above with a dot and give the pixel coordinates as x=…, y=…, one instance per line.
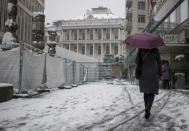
x=91, y=105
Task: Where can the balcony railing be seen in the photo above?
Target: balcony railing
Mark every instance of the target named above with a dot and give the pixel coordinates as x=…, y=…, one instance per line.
x=173, y=38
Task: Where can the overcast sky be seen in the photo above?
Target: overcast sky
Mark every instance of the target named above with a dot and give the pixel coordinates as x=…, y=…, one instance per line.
x=65, y=9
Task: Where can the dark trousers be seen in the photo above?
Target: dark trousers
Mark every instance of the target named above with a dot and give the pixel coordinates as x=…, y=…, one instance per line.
x=148, y=101
x=166, y=84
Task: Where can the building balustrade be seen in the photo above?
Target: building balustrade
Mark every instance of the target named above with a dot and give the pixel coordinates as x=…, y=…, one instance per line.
x=173, y=38
x=89, y=34
x=93, y=49
x=90, y=41
x=91, y=22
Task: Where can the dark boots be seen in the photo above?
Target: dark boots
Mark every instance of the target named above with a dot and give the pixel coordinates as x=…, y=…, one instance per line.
x=147, y=112
x=148, y=101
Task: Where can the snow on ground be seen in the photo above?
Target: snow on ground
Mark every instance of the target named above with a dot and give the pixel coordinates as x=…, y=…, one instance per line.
x=88, y=105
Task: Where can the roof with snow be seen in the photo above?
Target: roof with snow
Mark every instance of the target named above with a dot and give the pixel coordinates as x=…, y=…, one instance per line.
x=71, y=55
x=97, y=13
x=96, y=16
x=35, y=14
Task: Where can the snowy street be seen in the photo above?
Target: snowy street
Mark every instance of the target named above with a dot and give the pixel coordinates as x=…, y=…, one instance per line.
x=98, y=106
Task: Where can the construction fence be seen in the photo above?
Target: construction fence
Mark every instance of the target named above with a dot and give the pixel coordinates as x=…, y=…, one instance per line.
x=27, y=70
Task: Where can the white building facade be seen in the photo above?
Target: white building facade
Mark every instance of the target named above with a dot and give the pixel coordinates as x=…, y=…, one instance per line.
x=95, y=34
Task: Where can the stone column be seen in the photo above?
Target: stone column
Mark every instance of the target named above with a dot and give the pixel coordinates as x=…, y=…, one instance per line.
x=102, y=50
x=85, y=48
x=122, y=49
x=77, y=47
x=119, y=34
x=119, y=49
x=94, y=34
x=62, y=39
x=110, y=44
x=69, y=46
x=70, y=33
x=102, y=33
x=110, y=34
x=85, y=34
x=77, y=34
x=93, y=49
x=51, y=43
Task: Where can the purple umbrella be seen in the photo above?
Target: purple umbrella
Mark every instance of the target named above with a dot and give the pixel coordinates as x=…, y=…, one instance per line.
x=144, y=40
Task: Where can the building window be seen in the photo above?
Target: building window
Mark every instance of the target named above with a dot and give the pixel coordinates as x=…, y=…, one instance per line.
x=83, y=36
x=99, y=36
x=184, y=10
x=141, y=18
x=115, y=50
x=107, y=50
x=107, y=36
x=67, y=36
x=91, y=50
x=141, y=5
x=75, y=48
x=83, y=50
x=67, y=46
x=130, y=18
x=91, y=36
x=99, y=50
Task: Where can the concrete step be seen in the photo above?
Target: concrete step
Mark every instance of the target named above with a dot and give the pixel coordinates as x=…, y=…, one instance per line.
x=6, y=92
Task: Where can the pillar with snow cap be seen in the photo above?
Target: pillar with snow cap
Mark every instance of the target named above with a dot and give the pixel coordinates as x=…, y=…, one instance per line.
x=52, y=42
x=38, y=30
x=10, y=39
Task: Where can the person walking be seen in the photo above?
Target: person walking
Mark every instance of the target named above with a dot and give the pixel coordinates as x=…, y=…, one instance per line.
x=148, y=72
x=167, y=71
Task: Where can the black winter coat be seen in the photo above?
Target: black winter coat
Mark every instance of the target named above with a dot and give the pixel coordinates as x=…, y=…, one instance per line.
x=148, y=60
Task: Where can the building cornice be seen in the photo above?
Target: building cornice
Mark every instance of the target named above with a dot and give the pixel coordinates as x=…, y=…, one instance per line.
x=91, y=41
x=90, y=26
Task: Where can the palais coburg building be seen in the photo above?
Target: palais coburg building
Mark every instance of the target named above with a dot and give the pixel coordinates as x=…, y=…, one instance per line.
x=96, y=33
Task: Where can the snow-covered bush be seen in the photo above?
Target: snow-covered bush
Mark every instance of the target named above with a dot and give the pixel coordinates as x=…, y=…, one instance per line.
x=10, y=23
x=8, y=41
x=179, y=57
x=179, y=74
